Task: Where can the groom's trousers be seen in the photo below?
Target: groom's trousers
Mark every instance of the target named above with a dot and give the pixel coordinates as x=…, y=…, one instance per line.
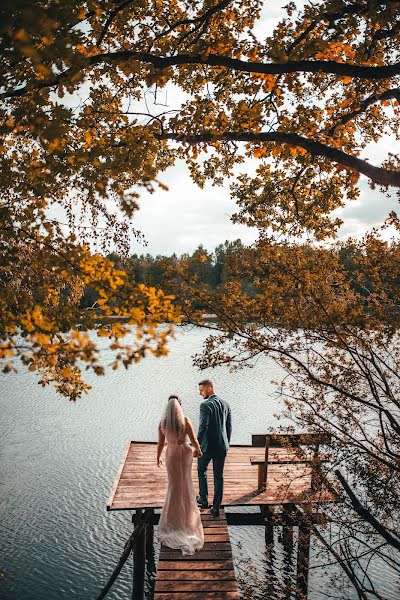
x=218, y=468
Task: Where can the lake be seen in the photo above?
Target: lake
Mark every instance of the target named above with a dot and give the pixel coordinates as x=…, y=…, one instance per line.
x=59, y=460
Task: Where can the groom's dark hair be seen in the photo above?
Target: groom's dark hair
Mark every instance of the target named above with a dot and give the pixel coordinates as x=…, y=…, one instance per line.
x=206, y=382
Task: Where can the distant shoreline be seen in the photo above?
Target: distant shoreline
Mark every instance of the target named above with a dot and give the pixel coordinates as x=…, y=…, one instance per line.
x=205, y=316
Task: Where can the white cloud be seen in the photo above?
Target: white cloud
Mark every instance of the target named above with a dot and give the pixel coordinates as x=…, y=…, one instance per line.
x=373, y=206
x=371, y=210
x=186, y=216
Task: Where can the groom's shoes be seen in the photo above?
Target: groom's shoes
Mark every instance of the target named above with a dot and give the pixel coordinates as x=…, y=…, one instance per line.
x=201, y=502
x=214, y=511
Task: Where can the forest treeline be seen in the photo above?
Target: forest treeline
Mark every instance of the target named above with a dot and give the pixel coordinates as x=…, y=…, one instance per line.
x=212, y=269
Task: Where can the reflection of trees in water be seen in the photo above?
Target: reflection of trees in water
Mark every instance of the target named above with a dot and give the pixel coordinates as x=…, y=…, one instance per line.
x=270, y=575
x=271, y=572
x=271, y=587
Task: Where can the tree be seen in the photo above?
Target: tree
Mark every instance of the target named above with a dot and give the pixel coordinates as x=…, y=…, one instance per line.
x=220, y=253
x=310, y=97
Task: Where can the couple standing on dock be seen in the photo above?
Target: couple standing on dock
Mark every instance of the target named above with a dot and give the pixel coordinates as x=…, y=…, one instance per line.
x=180, y=523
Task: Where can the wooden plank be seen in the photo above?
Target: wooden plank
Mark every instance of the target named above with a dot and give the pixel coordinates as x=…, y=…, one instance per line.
x=243, y=497
x=196, y=596
x=117, y=478
x=142, y=485
x=129, y=485
x=144, y=489
x=208, y=537
x=233, y=460
x=196, y=574
x=292, y=439
x=248, y=501
x=208, y=547
x=212, y=555
x=208, y=573
x=205, y=517
x=195, y=586
x=289, y=460
x=244, y=468
x=198, y=565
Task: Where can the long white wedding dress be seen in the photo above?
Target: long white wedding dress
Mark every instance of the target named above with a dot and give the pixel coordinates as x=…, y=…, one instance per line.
x=180, y=524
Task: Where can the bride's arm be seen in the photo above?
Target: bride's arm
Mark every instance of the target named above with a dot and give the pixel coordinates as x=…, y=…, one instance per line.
x=160, y=446
x=192, y=437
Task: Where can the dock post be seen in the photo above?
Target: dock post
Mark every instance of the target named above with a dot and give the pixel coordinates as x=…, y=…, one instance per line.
x=150, y=538
x=288, y=520
x=267, y=513
x=303, y=558
x=139, y=558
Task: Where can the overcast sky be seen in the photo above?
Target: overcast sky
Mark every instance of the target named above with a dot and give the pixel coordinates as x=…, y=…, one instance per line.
x=186, y=216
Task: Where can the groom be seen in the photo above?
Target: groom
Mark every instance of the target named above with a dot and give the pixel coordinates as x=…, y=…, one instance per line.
x=214, y=435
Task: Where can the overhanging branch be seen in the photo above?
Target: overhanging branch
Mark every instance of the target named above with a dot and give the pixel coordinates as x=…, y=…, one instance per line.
x=365, y=104
x=376, y=174
x=217, y=60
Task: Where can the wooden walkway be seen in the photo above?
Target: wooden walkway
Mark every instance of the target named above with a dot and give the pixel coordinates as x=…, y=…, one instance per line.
x=141, y=484
x=206, y=575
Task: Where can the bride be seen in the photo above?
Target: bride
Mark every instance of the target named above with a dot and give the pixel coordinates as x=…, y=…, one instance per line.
x=180, y=523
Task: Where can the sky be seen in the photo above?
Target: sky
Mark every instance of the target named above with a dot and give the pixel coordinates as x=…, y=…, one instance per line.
x=186, y=216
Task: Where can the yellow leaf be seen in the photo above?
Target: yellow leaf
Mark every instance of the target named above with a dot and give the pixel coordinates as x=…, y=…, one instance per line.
x=67, y=372
x=259, y=152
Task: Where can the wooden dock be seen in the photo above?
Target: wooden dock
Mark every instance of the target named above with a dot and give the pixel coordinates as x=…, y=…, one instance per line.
x=206, y=575
x=141, y=484
x=275, y=471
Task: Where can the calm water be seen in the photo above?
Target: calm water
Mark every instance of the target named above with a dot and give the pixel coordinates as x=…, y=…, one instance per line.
x=59, y=460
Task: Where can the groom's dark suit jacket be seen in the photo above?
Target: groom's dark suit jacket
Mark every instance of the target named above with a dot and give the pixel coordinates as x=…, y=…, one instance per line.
x=215, y=426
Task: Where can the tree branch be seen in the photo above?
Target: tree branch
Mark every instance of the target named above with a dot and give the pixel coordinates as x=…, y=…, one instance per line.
x=376, y=174
x=217, y=60
x=110, y=18
x=344, y=563
x=204, y=17
x=389, y=94
x=358, y=9
x=366, y=515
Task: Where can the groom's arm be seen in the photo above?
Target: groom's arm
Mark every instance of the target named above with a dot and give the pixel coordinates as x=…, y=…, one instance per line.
x=204, y=422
